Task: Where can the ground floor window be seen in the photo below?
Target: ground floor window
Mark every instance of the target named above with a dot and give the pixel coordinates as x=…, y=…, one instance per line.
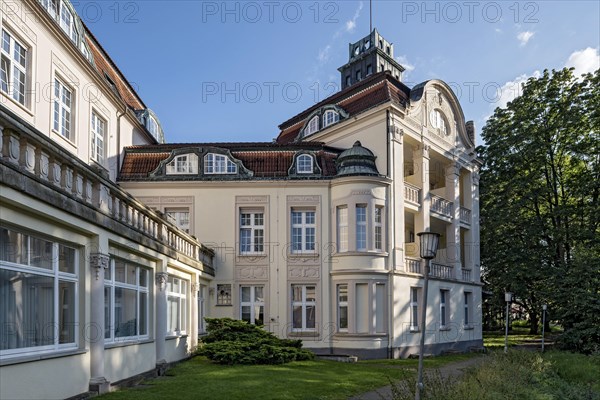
x=362, y=307
x=304, y=307
x=252, y=304
x=38, y=293
x=468, y=296
x=177, y=290
x=125, y=301
x=201, y=309
x=444, y=308
x=415, y=294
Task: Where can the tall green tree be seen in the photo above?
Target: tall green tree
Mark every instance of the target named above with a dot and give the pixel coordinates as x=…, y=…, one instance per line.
x=540, y=187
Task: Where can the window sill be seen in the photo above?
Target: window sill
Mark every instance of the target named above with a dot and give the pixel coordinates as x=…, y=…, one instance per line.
x=312, y=334
x=127, y=343
x=414, y=330
x=445, y=328
x=361, y=253
x=16, y=103
x=4, y=361
x=468, y=327
x=67, y=140
x=223, y=305
x=346, y=335
x=181, y=336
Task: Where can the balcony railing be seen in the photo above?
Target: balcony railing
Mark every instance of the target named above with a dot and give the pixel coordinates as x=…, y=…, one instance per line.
x=412, y=194
x=465, y=215
x=441, y=271
x=412, y=265
x=32, y=154
x=441, y=206
x=466, y=275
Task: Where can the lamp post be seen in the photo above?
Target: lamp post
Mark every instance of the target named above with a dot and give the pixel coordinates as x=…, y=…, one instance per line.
x=508, y=299
x=429, y=244
x=544, y=308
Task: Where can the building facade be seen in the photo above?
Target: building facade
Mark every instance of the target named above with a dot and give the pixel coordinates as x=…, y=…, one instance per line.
x=114, y=245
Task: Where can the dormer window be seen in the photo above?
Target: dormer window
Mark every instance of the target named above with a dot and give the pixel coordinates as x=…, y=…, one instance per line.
x=304, y=164
x=438, y=121
x=219, y=164
x=357, y=50
x=367, y=44
x=152, y=126
x=185, y=164
x=330, y=117
x=313, y=126
x=381, y=44
x=67, y=23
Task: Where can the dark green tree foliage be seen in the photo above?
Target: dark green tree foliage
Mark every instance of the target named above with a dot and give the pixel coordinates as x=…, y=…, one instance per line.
x=540, y=214
x=231, y=342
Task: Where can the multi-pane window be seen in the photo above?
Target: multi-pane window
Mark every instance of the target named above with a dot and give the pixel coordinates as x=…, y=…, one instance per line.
x=304, y=164
x=38, y=294
x=152, y=126
x=252, y=304
x=13, y=67
x=330, y=117
x=437, y=121
x=125, y=301
x=98, y=129
x=342, y=295
x=303, y=231
x=467, y=308
x=304, y=307
x=252, y=232
x=219, y=164
x=414, y=308
x=63, y=107
x=378, y=227
x=179, y=217
x=443, y=308
x=342, y=229
x=177, y=290
x=361, y=227
x=183, y=164
x=67, y=22
x=224, y=294
x=313, y=126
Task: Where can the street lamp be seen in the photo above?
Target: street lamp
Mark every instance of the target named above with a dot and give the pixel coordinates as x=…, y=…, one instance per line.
x=429, y=244
x=544, y=307
x=508, y=299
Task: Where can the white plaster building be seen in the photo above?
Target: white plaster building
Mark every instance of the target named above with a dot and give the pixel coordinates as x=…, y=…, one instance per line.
x=312, y=236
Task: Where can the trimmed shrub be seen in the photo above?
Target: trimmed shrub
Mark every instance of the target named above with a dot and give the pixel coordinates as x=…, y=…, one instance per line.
x=231, y=342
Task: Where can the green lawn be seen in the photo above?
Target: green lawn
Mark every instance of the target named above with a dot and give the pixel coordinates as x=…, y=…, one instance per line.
x=199, y=378
x=515, y=336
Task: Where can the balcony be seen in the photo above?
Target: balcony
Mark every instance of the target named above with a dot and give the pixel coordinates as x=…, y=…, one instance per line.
x=441, y=206
x=441, y=271
x=466, y=275
x=465, y=216
x=412, y=194
x=32, y=163
x=412, y=265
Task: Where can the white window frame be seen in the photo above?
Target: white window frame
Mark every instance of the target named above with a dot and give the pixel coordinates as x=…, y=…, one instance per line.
x=444, y=308
x=253, y=303
x=183, y=164
x=67, y=22
x=330, y=117
x=304, y=164
x=378, y=239
x=438, y=121
x=249, y=222
x=361, y=228
x=304, y=303
x=306, y=224
x=342, y=228
x=177, y=215
x=179, y=296
x=219, y=164
x=224, y=294
x=415, y=295
x=341, y=304
x=9, y=82
x=26, y=267
x=312, y=126
x=63, y=113
x=153, y=126
x=97, y=135
x=468, y=309
x=112, y=284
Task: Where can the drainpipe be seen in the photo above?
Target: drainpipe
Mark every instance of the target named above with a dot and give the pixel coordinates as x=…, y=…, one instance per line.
x=392, y=260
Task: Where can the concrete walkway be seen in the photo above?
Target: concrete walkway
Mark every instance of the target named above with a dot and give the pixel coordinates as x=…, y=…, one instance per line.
x=452, y=370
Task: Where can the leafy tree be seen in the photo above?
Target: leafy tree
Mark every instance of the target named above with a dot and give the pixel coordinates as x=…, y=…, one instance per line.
x=540, y=186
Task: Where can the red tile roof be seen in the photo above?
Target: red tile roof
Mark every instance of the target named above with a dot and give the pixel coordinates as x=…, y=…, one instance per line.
x=377, y=89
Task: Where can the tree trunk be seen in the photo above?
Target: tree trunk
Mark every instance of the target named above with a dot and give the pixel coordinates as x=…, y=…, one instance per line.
x=533, y=320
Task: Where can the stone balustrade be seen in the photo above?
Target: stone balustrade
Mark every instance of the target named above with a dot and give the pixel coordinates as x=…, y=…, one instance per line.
x=465, y=215
x=441, y=271
x=412, y=194
x=441, y=206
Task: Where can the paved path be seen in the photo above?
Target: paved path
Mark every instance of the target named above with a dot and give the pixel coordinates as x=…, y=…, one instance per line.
x=452, y=370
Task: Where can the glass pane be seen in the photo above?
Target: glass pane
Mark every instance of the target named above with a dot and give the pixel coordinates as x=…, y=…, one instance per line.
x=258, y=219
x=143, y=313
x=173, y=314
x=297, y=293
x=296, y=218
x=259, y=316
x=119, y=271
x=143, y=277
x=245, y=240
x=310, y=238
x=310, y=217
x=343, y=293
x=245, y=294
x=296, y=239
x=379, y=308
x=310, y=317
x=27, y=305
x=343, y=317
x=132, y=274
x=41, y=253
x=176, y=285
x=107, y=312
x=310, y=293
x=125, y=312
x=258, y=294
x=13, y=246
x=297, y=317
x=66, y=259
x=246, y=314
x=66, y=312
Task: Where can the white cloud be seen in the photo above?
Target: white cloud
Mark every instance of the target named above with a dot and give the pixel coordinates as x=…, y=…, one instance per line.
x=324, y=54
x=405, y=63
x=511, y=90
x=498, y=30
x=351, y=24
x=524, y=37
x=584, y=61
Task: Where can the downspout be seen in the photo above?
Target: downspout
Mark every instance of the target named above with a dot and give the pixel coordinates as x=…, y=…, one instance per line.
x=390, y=242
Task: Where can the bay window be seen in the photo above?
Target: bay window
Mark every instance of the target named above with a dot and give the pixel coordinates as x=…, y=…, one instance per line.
x=342, y=228
x=361, y=227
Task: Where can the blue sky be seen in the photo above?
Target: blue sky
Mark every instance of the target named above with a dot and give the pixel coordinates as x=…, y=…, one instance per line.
x=233, y=71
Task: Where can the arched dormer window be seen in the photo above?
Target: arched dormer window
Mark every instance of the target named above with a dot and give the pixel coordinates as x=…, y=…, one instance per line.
x=183, y=164
x=219, y=164
x=438, y=121
x=313, y=126
x=304, y=164
x=330, y=117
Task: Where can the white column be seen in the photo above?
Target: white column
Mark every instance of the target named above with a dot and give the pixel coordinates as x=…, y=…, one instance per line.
x=161, y=321
x=396, y=212
x=194, y=319
x=99, y=263
x=475, y=227
x=421, y=159
x=453, y=229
